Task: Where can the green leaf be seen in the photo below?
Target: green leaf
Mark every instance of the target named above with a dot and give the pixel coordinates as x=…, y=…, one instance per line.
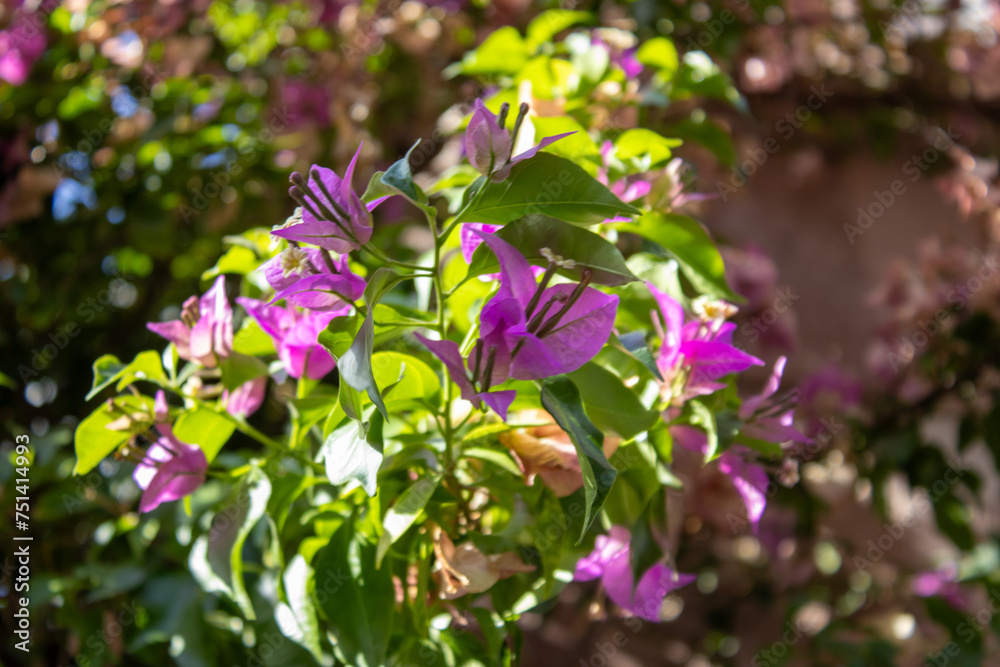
x=146, y=366
x=637, y=483
x=484, y=432
x=534, y=232
x=253, y=340
x=310, y=410
x=610, y=404
x=357, y=598
x=635, y=344
x=355, y=365
x=297, y=617
x=657, y=449
x=206, y=428
x=402, y=515
x=561, y=399
x=401, y=315
x=698, y=75
x=488, y=626
x=550, y=185
x=238, y=259
x=494, y=456
x=412, y=377
x=702, y=417
x=643, y=143
x=645, y=548
x=399, y=178
x=551, y=78
x=287, y=487
x=93, y=441
x=687, y=242
x=711, y=135
x=107, y=369
x=503, y=52
x=578, y=147
x=338, y=335
x=660, y=54
x=550, y=23
x=240, y=368
x=662, y=442
x=222, y=547
x=349, y=456
x=377, y=188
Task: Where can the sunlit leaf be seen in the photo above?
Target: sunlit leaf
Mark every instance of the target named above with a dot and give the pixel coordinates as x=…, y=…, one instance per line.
x=687, y=242
x=404, y=512
x=550, y=185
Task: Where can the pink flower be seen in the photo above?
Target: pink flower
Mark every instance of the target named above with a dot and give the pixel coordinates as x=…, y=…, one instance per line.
x=472, y=239
x=703, y=347
x=294, y=333
x=205, y=331
x=171, y=469
x=621, y=50
x=333, y=216
x=245, y=399
x=749, y=479
x=528, y=330
x=488, y=143
x=627, y=189
x=767, y=420
x=941, y=583
x=21, y=45
x=610, y=560
x=312, y=278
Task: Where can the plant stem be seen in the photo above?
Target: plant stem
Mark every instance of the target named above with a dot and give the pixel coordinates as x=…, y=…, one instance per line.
x=379, y=255
x=448, y=431
x=438, y=285
x=300, y=392
x=442, y=327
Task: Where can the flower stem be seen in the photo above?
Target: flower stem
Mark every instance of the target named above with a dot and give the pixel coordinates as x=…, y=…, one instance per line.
x=442, y=327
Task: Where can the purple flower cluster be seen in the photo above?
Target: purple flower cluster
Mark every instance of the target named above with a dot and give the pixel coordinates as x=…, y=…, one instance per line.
x=529, y=330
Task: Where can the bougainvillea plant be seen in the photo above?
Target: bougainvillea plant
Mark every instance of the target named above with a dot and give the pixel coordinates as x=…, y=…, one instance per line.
x=466, y=430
